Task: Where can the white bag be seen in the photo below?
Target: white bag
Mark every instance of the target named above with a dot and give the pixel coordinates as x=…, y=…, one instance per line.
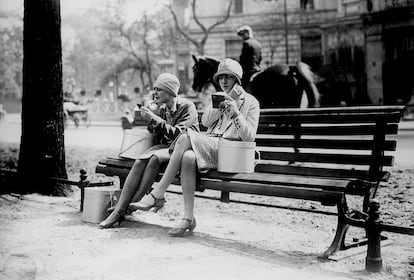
x=236, y=156
x=135, y=141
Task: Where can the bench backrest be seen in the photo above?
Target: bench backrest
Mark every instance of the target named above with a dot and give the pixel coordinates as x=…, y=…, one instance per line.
x=349, y=142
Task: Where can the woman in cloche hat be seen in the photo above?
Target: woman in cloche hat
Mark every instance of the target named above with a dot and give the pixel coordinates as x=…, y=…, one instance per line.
x=174, y=115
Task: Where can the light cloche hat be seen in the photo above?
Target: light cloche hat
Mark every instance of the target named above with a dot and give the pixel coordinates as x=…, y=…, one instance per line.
x=168, y=82
x=230, y=67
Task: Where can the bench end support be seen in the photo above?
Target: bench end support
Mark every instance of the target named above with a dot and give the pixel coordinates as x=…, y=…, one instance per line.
x=373, y=261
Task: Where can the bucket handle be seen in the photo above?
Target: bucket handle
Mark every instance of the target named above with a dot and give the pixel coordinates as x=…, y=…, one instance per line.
x=258, y=155
x=112, y=198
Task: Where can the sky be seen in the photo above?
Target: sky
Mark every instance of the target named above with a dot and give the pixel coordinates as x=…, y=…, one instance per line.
x=69, y=7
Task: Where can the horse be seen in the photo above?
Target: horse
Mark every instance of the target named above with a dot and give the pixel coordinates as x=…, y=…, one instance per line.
x=278, y=86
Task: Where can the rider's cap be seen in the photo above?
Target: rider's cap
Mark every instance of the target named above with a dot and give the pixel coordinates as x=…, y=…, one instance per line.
x=244, y=28
x=168, y=82
x=231, y=67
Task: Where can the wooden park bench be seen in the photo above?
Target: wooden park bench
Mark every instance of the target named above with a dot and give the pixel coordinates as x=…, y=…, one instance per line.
x=321, y=155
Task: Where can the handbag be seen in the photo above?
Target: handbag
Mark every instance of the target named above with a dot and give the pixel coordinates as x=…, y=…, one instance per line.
x=135, y=142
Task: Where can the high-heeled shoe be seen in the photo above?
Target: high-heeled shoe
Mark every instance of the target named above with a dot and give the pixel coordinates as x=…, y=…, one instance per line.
x=180, y=231
x=140, y=205
x=112, y=219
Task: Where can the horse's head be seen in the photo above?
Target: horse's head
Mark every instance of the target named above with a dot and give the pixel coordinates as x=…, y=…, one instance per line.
x=203, y=70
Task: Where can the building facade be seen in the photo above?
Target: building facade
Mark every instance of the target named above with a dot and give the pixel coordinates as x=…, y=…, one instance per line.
x=389, y=39
x=347, y=42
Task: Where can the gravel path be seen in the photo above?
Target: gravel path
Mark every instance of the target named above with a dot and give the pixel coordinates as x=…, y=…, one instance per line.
x=45, y=238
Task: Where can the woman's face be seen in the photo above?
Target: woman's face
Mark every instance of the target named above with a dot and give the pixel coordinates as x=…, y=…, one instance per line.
x=160, y=96
x=226, y=82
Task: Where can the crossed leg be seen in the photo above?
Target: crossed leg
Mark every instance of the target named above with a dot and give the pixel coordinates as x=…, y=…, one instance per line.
x=182, y=145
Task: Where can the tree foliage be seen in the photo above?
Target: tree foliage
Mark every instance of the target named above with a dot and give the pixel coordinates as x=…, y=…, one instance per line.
x=104, y=46
x=11, y=57
x=139, y=44
x=84, y=56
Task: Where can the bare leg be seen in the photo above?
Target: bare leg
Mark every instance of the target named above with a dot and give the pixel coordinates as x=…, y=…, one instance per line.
x=188, y=182
x=128, y=191
x=131, y=184
x=182, y=145
x=148, y=178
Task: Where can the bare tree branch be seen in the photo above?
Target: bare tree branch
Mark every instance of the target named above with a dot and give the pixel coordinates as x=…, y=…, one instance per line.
x=199, y=44
x=223, y=20
x=180, y=30
x=193, y=7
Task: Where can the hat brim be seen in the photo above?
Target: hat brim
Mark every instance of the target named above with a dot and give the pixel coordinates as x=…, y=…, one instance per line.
x=215, y=77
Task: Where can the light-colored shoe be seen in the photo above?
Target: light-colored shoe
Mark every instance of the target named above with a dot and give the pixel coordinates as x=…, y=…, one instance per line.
x=148, y=202
x=180, y=231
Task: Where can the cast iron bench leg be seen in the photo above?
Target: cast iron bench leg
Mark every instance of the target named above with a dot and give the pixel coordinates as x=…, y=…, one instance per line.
x=225, y=197
x=341, y=229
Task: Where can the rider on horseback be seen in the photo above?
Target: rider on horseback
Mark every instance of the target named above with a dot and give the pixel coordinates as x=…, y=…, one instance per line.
x=251, y=55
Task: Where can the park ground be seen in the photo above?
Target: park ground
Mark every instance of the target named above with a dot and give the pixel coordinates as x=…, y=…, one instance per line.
x=43, y=237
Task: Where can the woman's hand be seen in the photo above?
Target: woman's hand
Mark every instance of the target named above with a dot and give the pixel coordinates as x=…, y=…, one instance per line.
x=236, y=91
x=229, y=105
x=149, y=115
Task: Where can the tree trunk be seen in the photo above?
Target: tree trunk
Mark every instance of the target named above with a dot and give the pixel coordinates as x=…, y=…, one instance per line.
x=42, y=149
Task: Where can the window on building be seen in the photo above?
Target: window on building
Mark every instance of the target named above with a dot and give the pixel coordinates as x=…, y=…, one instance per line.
x=345, y=56
x=306, y=5
x=348, y=56
x=399, y=45
x=233, y=48
x=238, y=6
x=311, y=50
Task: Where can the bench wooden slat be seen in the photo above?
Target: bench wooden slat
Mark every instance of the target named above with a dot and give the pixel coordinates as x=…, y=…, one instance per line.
x=331, y=118
x=112, y=171
x=118, y=162
x=78, y=111
x=389, y=145
x=286, y=180
x=325, y=158
x=333, y=110
x=319, y=172
x=323, y=196
x=390, y=129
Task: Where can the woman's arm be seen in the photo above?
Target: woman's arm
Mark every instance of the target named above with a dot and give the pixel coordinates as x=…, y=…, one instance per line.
x=210, y=116
x=187, y=117
x=246, y=125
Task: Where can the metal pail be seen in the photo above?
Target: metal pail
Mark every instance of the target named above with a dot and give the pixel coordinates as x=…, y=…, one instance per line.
x=236, y=156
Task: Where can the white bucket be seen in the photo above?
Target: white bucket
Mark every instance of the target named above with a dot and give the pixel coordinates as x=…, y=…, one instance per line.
x=96, y=202
x=236, y=156
x=134, y=142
